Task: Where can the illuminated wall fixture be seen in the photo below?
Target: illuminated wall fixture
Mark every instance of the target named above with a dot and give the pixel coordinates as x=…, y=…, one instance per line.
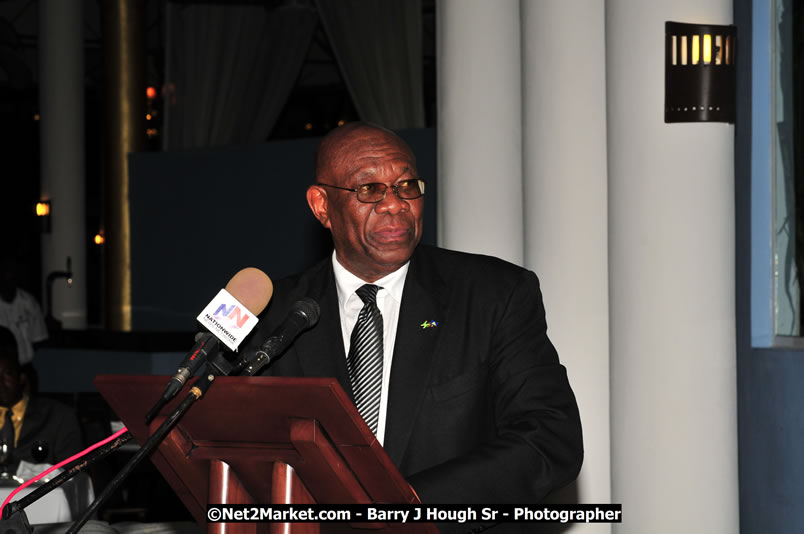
x=43, y=214
x=699, y=73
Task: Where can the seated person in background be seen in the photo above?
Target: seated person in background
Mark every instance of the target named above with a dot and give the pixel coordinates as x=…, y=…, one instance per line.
x=34, y=419
x=20, y=313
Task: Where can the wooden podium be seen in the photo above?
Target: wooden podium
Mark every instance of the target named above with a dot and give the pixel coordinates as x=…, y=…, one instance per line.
x=262, y=440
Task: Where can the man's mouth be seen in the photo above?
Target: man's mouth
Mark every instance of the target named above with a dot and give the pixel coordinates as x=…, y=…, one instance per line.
x=392, y=233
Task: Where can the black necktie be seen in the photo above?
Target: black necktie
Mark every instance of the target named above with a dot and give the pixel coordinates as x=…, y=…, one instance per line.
x=365, y=357
x=7, y=432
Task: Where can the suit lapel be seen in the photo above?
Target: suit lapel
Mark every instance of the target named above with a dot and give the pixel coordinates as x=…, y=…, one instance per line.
x=31, y=421
x=320, y=350
x=414, y=350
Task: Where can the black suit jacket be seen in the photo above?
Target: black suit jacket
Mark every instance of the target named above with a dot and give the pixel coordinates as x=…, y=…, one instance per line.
x=479, y=408
x=50, y=421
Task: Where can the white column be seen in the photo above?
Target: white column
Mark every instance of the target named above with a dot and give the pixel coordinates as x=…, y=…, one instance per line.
x=479, y=127
x=61, y=108
x=671, y=262
x=564, y=158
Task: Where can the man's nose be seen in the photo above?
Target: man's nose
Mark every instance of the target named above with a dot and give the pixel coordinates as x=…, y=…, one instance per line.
x=391, y=203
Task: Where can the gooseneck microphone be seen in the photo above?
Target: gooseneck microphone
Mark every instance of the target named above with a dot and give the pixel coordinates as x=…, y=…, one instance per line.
x=303, y=315
x=229, y=317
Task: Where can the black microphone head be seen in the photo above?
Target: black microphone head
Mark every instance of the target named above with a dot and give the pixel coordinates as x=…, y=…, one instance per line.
x=308, y=308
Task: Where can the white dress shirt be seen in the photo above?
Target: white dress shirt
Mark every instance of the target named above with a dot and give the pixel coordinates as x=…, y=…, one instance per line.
x=389, y=298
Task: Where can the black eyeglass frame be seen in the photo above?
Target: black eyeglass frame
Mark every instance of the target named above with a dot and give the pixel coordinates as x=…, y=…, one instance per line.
x=394, y=188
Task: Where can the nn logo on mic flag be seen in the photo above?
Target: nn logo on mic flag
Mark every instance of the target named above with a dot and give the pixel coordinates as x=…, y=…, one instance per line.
x=228, y=319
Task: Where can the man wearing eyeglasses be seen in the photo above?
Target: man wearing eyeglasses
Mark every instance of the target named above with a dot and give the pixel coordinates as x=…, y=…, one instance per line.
x=445, y=353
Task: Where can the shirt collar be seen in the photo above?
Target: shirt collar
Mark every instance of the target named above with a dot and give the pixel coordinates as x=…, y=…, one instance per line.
x=347, y=282
x=17, y=411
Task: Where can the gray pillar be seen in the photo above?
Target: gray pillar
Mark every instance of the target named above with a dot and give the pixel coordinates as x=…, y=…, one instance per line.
x=564, y=168
x=479, y=127
x=61, y=108
x=671, y=261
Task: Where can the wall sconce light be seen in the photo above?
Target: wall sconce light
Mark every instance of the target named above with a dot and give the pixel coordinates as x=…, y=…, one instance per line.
x=43, y=214
x=699, y=73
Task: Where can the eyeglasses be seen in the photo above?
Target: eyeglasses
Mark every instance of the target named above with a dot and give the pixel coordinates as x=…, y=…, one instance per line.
x=375, y=191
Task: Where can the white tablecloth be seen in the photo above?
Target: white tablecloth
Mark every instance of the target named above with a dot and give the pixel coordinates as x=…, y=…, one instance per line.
x=52, y=508
x=62, y=504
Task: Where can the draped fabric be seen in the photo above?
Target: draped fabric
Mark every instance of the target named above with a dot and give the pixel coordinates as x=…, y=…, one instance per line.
x=231, y=67
x=229, y=70
x=378, y=45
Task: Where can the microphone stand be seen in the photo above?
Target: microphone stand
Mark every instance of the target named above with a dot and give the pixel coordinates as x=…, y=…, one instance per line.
x=14, y=518
x=196, y=392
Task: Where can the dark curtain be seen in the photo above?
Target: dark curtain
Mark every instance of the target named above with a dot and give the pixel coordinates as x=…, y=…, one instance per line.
x=230, y=69
x=378, y=45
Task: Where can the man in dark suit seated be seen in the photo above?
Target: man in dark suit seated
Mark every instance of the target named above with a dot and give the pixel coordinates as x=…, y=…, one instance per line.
x=49, y=424
x=446, y=354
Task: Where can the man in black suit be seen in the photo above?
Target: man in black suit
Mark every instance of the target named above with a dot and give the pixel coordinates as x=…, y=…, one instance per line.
x=33, y=418
x=474, y=406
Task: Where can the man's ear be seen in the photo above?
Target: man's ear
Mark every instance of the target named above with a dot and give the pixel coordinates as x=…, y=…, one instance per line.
x=319, y=203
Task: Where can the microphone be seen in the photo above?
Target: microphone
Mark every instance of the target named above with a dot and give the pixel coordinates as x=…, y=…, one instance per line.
x=303, y=315
x=229, y=317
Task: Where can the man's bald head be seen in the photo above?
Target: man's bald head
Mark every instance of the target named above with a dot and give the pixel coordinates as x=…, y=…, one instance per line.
x=339, y=145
